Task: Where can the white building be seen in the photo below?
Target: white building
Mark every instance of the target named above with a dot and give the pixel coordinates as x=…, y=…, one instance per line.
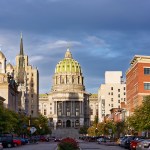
x=67, y=104
x=111, y=94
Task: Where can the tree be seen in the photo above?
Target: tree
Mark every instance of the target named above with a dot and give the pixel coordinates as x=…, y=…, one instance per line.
x=83, y=130
x=8, y=120
x=140, y=120
x=41, y=124
x=105, y=127
x=121, y=127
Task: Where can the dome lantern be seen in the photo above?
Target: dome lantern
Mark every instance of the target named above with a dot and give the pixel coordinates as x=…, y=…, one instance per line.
x=68, y=54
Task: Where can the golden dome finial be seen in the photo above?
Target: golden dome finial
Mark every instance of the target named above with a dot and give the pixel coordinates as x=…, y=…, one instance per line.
x=68, y=54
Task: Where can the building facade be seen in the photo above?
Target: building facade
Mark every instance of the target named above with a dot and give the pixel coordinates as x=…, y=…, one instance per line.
x=137, y=81
x=111, y=94
x=8, y=86
x=68, y=101
x=27, y=78
x=93, y=104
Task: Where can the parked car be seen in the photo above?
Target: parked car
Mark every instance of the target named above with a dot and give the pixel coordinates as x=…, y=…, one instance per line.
x=57, y=140
x=103, y=139
x=16, y=142
x=6, y=140
x=1, y=146
x=134, y=143
x=143, y=145
x=126, y=143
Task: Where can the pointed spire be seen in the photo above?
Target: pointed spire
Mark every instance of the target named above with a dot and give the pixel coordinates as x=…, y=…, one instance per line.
x=21, y=45
x=68, y=54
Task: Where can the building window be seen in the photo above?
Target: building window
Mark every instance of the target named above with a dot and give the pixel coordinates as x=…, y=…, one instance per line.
x=124, y=88
x=112, y=99
x=44, y=111
x=118, y=101
x=111, y=88
x=118, y=90
x=68, y=113
x=50, y=108
x=111, y=105
x=146, y=86
x=91, y=112
x=118, y=95
x=77, y=111
x=147, y=71
x=111, y=93
x=124, y=93
x=59, y=113
x=50, y=103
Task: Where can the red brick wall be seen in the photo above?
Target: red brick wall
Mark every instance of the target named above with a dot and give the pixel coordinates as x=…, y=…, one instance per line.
x=135, y=79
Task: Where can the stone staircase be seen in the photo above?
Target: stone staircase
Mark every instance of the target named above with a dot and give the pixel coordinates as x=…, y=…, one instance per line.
x=65, y=132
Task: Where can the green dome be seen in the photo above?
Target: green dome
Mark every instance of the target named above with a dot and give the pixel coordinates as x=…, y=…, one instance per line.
x=68, y=64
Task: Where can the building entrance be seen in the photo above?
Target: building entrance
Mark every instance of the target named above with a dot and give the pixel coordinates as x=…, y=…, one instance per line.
x=68, y=123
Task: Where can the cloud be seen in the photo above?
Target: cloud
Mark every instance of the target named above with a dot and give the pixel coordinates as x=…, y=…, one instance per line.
x=97, y=41
x=36, y=58
x=62, y=44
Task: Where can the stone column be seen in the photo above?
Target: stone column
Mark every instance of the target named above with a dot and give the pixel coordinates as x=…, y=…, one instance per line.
x=80, y=104
x=56, y=107
x=82, y=108
x=65, y=108
x=62, y=110
x=71, y=112
x=80, y=80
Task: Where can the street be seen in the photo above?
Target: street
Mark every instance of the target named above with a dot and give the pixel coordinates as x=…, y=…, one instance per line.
x=95, y=146
x=53, y=145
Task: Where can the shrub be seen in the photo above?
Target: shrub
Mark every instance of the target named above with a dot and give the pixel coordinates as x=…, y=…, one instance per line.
x=68, y=144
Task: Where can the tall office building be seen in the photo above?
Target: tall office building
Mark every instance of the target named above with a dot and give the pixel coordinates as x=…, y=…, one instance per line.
x=111, y=94
x=137, y=81
x=27, y=78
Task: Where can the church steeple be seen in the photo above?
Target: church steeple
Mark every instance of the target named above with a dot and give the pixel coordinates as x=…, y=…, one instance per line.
x=21, y=46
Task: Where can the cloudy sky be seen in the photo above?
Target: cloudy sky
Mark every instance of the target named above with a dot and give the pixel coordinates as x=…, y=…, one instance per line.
x=103, y=35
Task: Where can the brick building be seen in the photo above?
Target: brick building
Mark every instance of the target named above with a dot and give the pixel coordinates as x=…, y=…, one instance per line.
x=137, y=81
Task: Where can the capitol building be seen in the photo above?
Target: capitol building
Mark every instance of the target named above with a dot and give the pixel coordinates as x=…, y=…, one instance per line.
x=67, y=104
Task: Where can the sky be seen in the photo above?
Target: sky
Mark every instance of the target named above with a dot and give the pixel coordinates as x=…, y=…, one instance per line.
x=103, y=35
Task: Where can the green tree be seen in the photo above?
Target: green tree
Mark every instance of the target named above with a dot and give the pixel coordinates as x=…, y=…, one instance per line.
x=83, y=130
x=140, y=120
x=41, y=124
x=8, y=120
x=121, y=127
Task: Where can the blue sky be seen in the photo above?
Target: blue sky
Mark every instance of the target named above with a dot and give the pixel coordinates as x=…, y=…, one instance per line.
x=103, y=35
